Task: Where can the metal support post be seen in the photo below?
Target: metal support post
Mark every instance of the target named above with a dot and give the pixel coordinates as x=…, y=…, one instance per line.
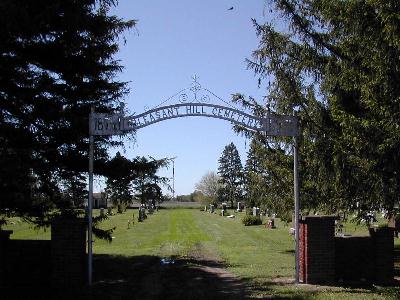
x=90, y=206
x=296, y=203
x=173, y=179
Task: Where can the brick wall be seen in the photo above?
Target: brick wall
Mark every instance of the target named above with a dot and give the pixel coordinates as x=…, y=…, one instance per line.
x=325, y=259
x=354, y=259
x=28, y=262
x=24, y=262
x=367, y=258
x=60, y=262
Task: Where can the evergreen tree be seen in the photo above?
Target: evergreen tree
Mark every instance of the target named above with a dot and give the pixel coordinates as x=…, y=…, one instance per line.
x=56, y=63
x=337, y=65
x=253, y=179
x=266, y=185
x=74, y=191
x=146, y=183
x=231, y=172
x=119, y=176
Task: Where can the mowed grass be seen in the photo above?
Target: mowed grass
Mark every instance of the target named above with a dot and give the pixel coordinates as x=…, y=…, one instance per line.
x=166, y=233
x=251, y=251
x=262, y=258
x=26, y=231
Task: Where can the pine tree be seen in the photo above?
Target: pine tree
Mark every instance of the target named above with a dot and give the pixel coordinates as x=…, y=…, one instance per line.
x=231, y=172
x=337, y=65
x=146, y=183
x=253, y=179
x=56, y=63
x=119, y=175
x=268, y=179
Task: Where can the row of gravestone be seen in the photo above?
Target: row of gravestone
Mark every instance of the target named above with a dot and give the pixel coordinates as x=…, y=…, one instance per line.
x=213, y=207
x=255, y=212
x=142, y=215
x=224, y=210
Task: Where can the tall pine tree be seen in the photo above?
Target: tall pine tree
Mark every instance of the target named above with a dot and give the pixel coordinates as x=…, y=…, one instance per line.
x=265, y=184
x=146, y=183
x=119, y=176
x=252, y=179
x=231, y=172
x=337, y=64
x=56, y=63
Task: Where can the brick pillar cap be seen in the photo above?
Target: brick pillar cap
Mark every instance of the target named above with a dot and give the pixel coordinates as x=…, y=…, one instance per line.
x=378, y=230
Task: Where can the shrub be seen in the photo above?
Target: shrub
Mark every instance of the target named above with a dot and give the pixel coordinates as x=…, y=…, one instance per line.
x=121, y=208
x=251, y=220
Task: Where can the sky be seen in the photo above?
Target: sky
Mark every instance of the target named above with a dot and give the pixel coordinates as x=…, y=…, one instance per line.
x=173, y=41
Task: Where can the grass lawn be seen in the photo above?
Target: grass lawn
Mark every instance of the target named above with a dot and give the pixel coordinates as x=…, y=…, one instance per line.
x=212, y=255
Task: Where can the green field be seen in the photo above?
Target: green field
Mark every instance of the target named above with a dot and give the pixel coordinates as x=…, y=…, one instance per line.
x=212, y=256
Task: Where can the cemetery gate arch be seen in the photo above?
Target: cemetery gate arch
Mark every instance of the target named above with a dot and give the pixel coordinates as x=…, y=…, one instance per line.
x=191, y=102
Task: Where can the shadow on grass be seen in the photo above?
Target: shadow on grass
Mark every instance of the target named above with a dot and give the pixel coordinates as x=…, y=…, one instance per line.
x=145, y=277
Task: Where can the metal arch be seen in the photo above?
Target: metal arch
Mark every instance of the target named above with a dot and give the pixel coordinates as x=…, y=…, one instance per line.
x=194, y=110
x=117, y=124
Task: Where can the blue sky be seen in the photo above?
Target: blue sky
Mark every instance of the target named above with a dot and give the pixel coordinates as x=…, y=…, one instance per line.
x=172, y=41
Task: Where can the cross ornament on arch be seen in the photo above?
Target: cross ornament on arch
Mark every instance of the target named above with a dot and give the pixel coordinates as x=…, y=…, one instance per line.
x=196, y=87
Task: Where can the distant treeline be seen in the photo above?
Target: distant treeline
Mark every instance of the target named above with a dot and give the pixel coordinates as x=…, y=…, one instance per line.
x=193, y=197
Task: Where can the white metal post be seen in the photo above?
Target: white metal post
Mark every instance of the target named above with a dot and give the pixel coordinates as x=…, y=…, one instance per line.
x=90, y=204
x=296, y=203
x=173, y=179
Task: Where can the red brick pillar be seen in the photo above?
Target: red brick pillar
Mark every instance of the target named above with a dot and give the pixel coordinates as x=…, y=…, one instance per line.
x=68, y=252
x=317, y=249
x=383, y=252
x=4, y=240
x=302, y=251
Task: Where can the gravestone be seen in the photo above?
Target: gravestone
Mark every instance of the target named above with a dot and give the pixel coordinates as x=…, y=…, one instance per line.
x=140, y=215
x=150, y=209
x=256, y=211
x=223, y=211
x=101, y=212
x=143, y=212
x=109, y=211
x=271, y=224
x=239, y=207
x=212, y=208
